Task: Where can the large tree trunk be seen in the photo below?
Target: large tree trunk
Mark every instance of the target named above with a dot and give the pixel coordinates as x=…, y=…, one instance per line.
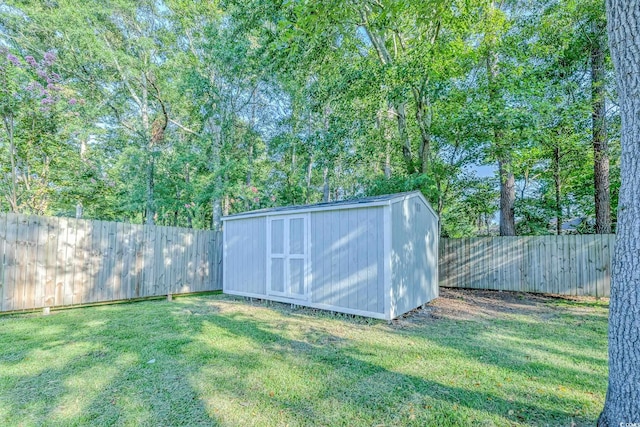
x=507, y=179
x=600, y=146
x=507, y=198
x=622, y=404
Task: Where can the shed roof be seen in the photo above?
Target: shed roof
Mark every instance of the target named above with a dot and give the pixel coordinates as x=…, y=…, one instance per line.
x=340, y=204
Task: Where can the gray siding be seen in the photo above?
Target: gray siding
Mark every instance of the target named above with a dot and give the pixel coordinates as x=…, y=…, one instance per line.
x=245, y=257
x=375, y=259
x=414, y=255
x=347, y=258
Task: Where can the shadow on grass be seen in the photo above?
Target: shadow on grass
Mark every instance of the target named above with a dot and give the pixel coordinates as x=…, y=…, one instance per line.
x=356, y=385
x=91, y=367
x=217, y=362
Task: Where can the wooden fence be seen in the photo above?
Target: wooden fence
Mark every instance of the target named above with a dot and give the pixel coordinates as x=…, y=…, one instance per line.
x=48, y=261
x=565, y=265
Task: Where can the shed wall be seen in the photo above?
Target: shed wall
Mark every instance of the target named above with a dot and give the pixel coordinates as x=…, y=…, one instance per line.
x=414, y=255
x=347, y=253
x=245, y=256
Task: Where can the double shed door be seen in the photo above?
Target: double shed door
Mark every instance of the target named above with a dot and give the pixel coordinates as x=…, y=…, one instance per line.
x=288, y=256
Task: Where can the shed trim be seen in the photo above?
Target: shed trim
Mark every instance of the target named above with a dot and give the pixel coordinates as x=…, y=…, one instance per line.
x=287, y=256
x=386, y=200
x=422, y=198
x=312, y=208
x=308, y=276
x=224, y=260
x=310, y=304
x=387, y=263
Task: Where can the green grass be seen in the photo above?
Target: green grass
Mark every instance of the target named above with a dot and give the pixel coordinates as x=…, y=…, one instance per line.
x=226, y=361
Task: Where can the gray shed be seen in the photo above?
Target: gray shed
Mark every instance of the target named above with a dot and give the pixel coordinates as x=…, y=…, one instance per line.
x=375, y=257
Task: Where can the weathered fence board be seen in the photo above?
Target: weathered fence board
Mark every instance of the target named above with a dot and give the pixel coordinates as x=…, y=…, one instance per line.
x=49, y=261
x=10, y=263
x=565, y=265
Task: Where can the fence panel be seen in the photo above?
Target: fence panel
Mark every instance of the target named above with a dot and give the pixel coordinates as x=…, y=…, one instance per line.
x=48, y=261
x=565, y=265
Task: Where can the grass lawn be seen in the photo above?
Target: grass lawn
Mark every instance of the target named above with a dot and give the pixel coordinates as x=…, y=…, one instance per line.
x=470, y=358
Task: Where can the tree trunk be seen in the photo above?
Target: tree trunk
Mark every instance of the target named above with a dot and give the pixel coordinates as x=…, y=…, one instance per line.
x=507, y=179
x=385, y=134
x=387, y=160
x=557, y=184
x=249, y=164
x=423, y=118
x=398, y=108
x=622, y=404
x=600, y=146
x=214, y=167
x=187, y=181
x=216, y=220
x=226, y=205
x=250, y=138
x=308, y=179
x=325, y=188
x=401, y=115
x=144, y=113
x=83, y=150
x=149, y=205
x=13, y=197
x=507, y=198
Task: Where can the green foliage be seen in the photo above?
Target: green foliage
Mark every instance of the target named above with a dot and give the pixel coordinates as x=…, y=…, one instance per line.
x=39, y=121
x=398, y=184
x=181, y=110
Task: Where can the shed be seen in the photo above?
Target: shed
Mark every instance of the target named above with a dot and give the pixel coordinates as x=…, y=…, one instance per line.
x=374, y=257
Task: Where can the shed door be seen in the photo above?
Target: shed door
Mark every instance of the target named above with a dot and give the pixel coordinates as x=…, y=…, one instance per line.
x=287, y=246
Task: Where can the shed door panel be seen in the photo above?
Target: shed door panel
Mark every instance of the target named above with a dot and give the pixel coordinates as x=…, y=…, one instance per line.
x=277, y=236
x=288, y=255
x=277, y=275
x=296, y=236
x=296, y=277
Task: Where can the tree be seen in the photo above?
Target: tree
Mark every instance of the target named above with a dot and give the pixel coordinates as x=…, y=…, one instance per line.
x=192, y=110
x=599, y=129
x=496, y=23
x=622, y=404
x=35, y=146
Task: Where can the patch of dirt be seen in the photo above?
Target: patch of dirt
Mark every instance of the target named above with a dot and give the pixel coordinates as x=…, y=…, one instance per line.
x=455, y=304
x=480, y=305
x=322, y=337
